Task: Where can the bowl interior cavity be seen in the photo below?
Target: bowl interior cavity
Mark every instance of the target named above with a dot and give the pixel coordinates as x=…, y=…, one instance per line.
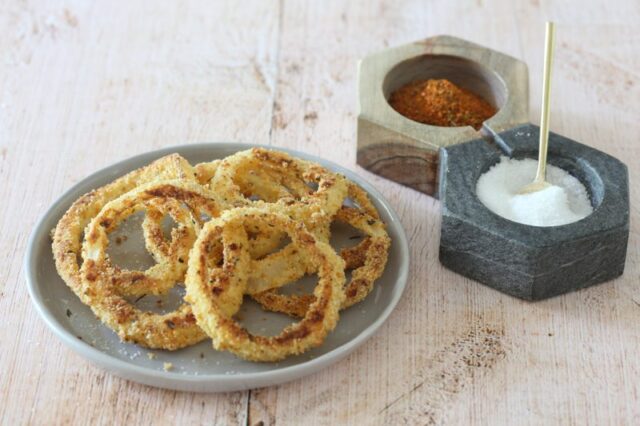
x=460, y=71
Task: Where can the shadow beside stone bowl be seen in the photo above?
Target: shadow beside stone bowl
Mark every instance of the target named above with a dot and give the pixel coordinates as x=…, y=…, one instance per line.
x=525, y=261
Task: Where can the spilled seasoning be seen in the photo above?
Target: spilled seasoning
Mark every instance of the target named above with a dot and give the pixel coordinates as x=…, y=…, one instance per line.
x=448, y=373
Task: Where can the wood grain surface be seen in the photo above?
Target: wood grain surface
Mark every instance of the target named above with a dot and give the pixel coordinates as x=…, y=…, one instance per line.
x=85, y=84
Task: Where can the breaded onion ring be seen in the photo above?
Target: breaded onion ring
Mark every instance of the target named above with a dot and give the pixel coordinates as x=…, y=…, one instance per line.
x=369, y=267
x=214, y=290
x=279, y=174
x=183, y=201
x=287, y=265
x=104, y=286
x=67, y=238
x=283, y=184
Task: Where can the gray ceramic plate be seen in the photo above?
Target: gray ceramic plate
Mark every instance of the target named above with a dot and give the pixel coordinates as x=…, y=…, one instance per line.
x=200, y=368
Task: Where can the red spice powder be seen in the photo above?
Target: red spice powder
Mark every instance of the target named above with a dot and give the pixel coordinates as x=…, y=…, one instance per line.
x=441, y=103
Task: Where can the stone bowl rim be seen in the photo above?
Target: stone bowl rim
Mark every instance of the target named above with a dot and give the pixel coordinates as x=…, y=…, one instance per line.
x=529, y=235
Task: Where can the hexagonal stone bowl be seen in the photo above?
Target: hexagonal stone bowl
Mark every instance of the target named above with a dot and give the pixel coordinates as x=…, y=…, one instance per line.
x=525, y=261
x=406, y=151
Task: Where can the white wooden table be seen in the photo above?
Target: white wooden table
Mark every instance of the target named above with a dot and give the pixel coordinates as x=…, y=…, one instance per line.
x=84, y=84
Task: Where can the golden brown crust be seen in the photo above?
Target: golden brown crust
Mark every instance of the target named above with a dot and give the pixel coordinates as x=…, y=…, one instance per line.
x=67, y=237
x=216, y=316
x=106, y=285
x=369, y=257
x=182, y=200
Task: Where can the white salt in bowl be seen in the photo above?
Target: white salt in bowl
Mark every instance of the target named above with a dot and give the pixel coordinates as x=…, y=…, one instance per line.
x=566, y=201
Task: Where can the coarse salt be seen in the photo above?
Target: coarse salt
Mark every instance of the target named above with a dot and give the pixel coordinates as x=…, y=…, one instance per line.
x=565, y=201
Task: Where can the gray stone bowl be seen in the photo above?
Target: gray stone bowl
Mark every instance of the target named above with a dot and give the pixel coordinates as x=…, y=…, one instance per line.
x=525, y=261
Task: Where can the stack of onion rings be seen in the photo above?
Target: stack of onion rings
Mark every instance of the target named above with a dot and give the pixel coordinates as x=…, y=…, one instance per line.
x=247, y=224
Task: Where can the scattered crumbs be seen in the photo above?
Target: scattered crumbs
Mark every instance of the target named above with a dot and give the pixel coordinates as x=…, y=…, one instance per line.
x=71, y=20
x=550, y=334
x=201, y=354
x=118, y=240
x=311, y=116
x=79, y=337
x=151, y=355
x=69, y=313
x=167, y=366
x=159, y=303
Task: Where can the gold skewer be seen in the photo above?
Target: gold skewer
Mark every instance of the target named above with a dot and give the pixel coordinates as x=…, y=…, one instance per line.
x=540, y=183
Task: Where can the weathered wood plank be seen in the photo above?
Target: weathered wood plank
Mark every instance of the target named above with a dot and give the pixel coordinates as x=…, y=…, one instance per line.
x=456, y=352
x=83, y=85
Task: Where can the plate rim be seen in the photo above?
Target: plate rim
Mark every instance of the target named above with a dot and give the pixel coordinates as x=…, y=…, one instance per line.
x=176, y=380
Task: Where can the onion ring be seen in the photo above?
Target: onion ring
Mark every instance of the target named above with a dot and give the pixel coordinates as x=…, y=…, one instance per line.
x=67, y=236
x=105, y=285
x=213, y=291
x=369, y=267
x=152, y=223
x=178, y=199
x=287, y=176
x=276, y=270
x=284, y=184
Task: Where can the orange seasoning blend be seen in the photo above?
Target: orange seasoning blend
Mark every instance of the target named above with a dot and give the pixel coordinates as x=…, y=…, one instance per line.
x=441, y=103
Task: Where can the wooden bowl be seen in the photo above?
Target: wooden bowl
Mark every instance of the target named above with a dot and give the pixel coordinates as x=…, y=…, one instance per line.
x=406, y=151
